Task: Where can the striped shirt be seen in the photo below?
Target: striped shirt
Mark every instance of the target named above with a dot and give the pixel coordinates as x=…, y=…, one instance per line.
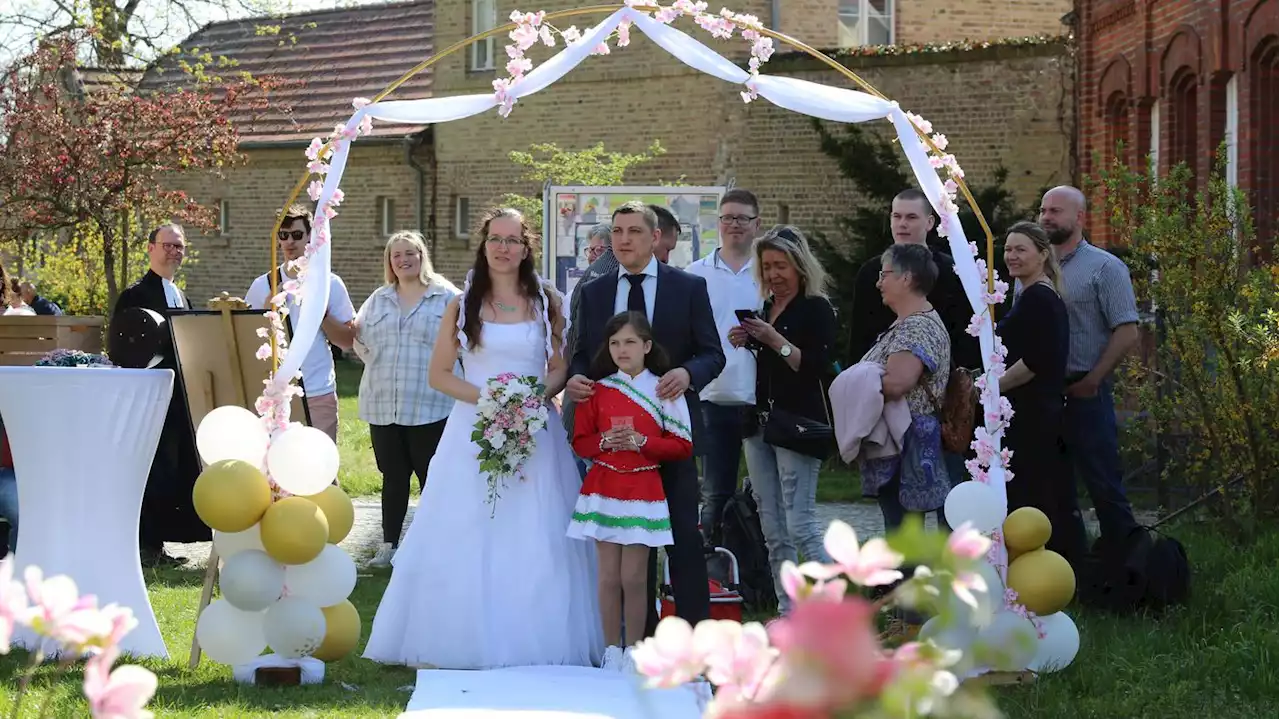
x=1099, y=297
x=396, y=349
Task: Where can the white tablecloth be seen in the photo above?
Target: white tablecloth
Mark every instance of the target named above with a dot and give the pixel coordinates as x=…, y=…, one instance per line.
x=83, y=440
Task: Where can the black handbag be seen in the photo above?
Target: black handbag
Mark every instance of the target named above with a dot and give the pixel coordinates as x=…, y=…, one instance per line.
x=798, y=433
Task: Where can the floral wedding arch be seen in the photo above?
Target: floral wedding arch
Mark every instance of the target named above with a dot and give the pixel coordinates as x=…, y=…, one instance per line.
x=981, y=501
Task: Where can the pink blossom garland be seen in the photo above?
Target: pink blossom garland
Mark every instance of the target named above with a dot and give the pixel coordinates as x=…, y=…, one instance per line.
x=532, y=28
x=273, y=405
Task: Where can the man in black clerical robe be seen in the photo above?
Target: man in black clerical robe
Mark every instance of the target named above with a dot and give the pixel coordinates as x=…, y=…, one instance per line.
x=168, y=514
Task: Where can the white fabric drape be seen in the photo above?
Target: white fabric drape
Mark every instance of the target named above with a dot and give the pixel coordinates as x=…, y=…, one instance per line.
x=808, y=98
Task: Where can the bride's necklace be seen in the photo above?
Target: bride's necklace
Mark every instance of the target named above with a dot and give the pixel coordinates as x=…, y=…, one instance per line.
x=504, y=306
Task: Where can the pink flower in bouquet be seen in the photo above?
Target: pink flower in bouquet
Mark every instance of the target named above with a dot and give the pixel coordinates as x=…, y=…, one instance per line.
x=739, y=660
x=830, y=654
x=871, y=565
x=797, y=586
x=967, y=542
x=119, y=694
x=670, y=657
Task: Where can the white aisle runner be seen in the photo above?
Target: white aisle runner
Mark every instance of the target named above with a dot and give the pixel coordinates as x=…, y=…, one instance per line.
x=545, y=693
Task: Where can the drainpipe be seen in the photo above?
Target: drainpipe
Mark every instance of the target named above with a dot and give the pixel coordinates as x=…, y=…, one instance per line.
x=775, y=15
x=411, y=143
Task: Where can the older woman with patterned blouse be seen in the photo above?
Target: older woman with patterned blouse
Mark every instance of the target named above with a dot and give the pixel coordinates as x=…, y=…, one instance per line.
x=396, y=329
x=916, y=355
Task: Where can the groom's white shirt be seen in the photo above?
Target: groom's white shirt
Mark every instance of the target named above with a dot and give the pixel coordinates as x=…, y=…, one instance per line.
x=649, y=285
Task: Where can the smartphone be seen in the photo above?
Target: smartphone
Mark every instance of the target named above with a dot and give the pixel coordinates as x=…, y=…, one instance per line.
x=742, y=315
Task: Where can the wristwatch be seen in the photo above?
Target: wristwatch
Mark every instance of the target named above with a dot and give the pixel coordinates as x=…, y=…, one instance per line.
x=784, y=351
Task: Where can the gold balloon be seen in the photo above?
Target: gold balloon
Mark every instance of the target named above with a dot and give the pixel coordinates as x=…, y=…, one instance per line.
x=231, y=495
x=1025, y=529
x=341, y=632
x=294, y=531
x=1044, y=581
x=337, y=509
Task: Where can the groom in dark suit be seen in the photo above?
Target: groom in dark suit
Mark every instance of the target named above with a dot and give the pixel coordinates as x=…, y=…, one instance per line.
x=679, y=308
x=168, y=513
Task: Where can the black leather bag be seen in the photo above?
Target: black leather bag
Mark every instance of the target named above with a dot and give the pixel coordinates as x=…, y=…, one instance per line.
x=797, y=433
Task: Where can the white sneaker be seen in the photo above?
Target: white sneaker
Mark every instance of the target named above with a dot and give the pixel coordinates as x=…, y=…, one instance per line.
x=384, y=555
x=613, y=659
x=628, y=663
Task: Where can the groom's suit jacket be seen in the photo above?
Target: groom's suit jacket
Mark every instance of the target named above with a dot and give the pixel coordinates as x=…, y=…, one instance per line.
x=682, y=324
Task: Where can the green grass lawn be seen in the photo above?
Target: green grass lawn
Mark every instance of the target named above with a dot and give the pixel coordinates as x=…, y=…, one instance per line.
x=1215, y=658
x=359, y=474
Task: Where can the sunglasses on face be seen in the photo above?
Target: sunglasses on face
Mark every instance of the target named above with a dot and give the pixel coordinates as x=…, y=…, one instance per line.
x=286, y=235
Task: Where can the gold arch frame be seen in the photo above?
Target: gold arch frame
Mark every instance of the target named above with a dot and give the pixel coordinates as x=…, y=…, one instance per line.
x=604, y=9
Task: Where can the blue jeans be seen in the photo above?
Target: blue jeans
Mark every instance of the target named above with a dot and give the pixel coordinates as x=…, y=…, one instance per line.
x=1090, y=434
x=721, y=455
x=9, y=504
x=785, y=485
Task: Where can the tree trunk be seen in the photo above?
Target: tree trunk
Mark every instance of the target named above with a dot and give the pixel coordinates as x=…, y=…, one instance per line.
x=113, y=32
x=109, y=263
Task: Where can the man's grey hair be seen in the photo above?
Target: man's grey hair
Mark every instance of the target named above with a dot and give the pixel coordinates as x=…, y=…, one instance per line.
x=604, y=231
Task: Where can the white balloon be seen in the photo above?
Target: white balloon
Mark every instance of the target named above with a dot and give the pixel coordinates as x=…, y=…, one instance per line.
x=228, y=635
x=231, y=432
x=1009, y=641
x=294, y=627
x=251, y=581
x=977, y=504
x=324, y=581
x=989, y=602
x=230, y=544
x=303, y=460
x=1059, y=646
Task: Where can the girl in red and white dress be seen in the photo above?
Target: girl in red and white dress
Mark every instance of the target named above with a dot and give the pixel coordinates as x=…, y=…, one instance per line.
x=625, y=432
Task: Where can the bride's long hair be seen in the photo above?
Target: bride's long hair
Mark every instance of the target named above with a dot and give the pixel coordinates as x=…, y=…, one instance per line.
x=480, y=283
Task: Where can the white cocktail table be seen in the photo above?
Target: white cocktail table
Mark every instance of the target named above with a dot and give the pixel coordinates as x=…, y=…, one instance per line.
x=83, y=440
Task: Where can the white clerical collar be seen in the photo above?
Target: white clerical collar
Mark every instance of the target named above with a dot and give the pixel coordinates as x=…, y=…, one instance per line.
x=651, y=269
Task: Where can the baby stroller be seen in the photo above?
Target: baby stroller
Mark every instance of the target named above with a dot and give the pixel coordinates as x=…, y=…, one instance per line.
x=724, y=581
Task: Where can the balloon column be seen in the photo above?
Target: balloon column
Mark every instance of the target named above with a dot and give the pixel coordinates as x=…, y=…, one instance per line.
x=284, y=580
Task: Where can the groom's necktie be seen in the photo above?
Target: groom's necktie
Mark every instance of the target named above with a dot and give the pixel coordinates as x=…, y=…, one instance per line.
x=635, y=297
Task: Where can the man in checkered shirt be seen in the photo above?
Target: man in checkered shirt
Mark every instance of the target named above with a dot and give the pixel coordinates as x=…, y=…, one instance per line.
x=1104, y=328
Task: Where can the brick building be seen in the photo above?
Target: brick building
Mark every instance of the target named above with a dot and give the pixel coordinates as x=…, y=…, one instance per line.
x=1173, y=80
x=1001, y=104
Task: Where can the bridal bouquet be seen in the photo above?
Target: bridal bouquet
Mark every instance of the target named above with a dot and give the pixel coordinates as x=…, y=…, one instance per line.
x=510, y=412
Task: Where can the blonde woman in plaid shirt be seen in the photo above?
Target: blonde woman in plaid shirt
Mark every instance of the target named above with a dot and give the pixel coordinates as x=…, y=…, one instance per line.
x=396, y=329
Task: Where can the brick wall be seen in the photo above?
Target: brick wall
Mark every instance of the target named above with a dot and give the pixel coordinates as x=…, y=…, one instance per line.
x=922, y=21
x=1130, y=54
x=230, y=260
x=999, y=107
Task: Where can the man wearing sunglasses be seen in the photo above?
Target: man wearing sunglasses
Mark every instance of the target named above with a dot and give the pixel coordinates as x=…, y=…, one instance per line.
x=319, y=382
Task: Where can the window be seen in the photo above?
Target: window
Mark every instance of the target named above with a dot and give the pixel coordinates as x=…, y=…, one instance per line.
x=224, y=216
x=386, y=216
x=1231, y=131
x=1117, y=128
x=865, y=22
x=1263, y=161
x=484, y=16
x=1182, y=128
x=462, y=218
x=1154, y=148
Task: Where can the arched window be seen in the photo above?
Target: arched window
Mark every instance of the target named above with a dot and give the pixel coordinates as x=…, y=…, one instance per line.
x=1117, y=127
x=1263, y=98
x=1182, y=121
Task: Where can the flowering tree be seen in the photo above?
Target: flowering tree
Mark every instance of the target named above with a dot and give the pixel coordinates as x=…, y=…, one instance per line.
x=95, y=164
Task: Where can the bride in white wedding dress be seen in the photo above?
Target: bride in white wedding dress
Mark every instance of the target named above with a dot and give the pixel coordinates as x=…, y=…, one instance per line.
x=471, y=591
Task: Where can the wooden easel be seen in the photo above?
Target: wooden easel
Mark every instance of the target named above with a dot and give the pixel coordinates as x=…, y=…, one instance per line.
x=224, y=304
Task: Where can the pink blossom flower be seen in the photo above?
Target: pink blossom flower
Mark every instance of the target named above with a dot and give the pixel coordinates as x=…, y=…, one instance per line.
x=524, y=36
x=313, y=190
x=338, y=197
x=975, y=325
x=669, y=657
x=924, y=125
x=318, y=167
x=59, y=612
x=315, y=148
x=264, y=352
x=547, y=37
x=967, y=542
x=796, y=585
x=119, y=694
x=873, y=564
x=601, y=49
x=939, y=141
x=739, y=660
x=624, y=33
x=666, y=15
x=571, y=34
x=366, y=126
x=830, y=655
x=517, y=67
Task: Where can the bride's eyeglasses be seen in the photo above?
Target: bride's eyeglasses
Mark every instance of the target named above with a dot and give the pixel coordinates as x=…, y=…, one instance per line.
x=496, y=241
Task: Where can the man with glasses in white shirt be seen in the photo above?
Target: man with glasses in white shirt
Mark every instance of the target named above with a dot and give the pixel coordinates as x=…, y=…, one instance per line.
x=733, y=288
x=319, y=381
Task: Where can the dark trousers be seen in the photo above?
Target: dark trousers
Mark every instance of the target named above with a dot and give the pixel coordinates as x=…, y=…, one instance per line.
x=722, y=456
x=1090, y=434
x=894, y=513
x=1042, y=476
x=686, y=558
x=401, y=451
